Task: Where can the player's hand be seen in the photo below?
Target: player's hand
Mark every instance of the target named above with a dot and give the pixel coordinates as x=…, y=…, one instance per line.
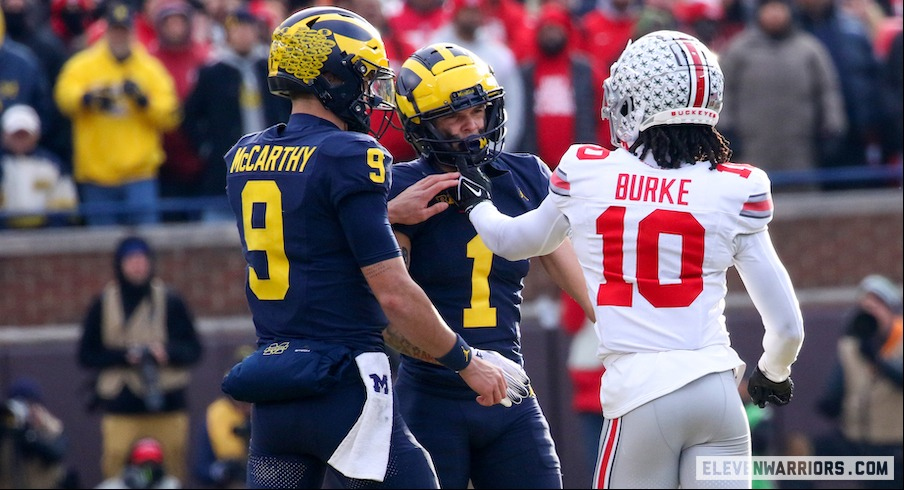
x=516, y=380
x=413, y=205
x=100, y=99
x=130, y=88
x=762, y=390
x=486, y=379
x=473, y=187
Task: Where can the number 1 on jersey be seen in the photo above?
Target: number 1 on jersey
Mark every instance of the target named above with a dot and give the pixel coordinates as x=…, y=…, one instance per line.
x=480, y=314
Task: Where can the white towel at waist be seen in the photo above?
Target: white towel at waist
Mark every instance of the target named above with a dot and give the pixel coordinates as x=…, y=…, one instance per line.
x=364, y=453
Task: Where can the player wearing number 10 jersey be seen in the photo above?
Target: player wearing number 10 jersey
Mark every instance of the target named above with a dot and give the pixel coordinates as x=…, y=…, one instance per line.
x=656, y=223
x=324, y=272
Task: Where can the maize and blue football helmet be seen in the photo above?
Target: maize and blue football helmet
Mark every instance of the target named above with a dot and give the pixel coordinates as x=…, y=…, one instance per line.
x=338, y=56
x=439, y=80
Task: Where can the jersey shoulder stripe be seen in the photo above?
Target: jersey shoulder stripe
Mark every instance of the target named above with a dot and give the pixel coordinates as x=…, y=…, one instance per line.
x=758, y=206
x=558, y=183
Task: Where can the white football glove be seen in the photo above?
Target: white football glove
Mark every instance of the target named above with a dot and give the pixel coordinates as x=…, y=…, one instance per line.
x=516, y=380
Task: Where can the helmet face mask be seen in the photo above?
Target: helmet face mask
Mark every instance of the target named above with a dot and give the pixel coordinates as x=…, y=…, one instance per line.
x=336, y=55
x=663, y=78
x=438, y=81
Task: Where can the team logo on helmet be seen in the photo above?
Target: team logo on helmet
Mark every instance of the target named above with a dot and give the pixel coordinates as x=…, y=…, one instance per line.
x=301, y=53
x=336, y=55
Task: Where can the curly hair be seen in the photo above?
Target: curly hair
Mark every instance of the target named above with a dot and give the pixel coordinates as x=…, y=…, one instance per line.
x=672, y=145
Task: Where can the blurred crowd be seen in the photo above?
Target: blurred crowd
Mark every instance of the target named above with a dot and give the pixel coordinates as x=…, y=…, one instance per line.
x=113, y=108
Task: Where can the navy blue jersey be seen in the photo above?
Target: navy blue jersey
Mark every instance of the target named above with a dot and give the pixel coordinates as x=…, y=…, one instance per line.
x=476, y=292
x=310, y=202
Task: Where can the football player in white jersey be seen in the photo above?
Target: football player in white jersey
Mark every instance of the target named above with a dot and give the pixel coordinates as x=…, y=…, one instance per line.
x=656, y=223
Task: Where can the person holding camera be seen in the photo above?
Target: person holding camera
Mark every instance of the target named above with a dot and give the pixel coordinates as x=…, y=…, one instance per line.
x=140, y=337
x=864, y=390
x=33, y=441
x=220, y=455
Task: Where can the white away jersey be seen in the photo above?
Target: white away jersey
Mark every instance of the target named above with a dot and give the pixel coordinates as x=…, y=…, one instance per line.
x=654, y=245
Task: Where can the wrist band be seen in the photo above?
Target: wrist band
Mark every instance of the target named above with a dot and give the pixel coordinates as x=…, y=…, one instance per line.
x=459, y=357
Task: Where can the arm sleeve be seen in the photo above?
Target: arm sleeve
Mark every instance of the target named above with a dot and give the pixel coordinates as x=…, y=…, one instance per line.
x=183, y=346
x=70, y=88
x=773, y=295
x=534, y=233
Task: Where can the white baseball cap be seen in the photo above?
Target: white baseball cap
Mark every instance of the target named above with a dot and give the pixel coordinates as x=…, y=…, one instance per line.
x=21, y=117
x=883, y=288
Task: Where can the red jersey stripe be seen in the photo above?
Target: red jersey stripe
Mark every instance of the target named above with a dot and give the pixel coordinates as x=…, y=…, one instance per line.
x=557, y=181
x=764, y=205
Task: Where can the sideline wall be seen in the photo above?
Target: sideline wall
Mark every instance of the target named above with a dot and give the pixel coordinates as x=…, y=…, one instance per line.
x=48, y=278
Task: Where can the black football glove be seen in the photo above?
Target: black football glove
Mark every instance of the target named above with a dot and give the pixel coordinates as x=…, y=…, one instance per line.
x=473, y=188
x=763, y=390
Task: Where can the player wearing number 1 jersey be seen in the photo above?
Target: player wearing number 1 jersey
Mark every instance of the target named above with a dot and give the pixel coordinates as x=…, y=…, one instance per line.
x=325, y=274
x=656, y=224
x=452, y=111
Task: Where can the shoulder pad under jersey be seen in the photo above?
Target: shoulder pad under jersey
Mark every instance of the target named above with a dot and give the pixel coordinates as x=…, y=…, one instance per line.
x=756, y=209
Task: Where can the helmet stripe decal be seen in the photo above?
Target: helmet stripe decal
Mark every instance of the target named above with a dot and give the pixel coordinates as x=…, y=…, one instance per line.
x=699, y=74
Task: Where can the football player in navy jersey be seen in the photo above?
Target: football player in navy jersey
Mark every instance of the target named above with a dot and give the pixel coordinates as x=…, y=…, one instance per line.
x=325, y=274
x=452, y=111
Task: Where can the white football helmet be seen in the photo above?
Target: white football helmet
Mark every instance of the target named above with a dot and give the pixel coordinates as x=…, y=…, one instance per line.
x=665, y=77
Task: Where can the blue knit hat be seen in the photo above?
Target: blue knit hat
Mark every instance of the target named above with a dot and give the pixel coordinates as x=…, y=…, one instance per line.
x=27, y=389
x=130, y=245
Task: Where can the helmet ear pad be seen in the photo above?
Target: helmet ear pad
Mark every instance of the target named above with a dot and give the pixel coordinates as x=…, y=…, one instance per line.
x=342, y=95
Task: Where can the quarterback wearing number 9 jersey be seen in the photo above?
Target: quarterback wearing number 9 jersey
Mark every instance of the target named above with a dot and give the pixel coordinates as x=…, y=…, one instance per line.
x=656, y=223
x=325, y=274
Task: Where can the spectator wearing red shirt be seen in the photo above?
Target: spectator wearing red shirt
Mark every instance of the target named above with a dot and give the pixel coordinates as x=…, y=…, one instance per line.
x=418, y=20
x=606, y=30
x=562, y=91
x=398, y=50
x=604, y=33
x=70, y=20
x=512, y=24
x=176, y=47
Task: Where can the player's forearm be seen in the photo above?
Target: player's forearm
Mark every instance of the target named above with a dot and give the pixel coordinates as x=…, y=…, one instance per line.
x=563, y=267
x=397, y=340
x=537, y=232
x=418, y=322
x=771, y=291
x=410, y=312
